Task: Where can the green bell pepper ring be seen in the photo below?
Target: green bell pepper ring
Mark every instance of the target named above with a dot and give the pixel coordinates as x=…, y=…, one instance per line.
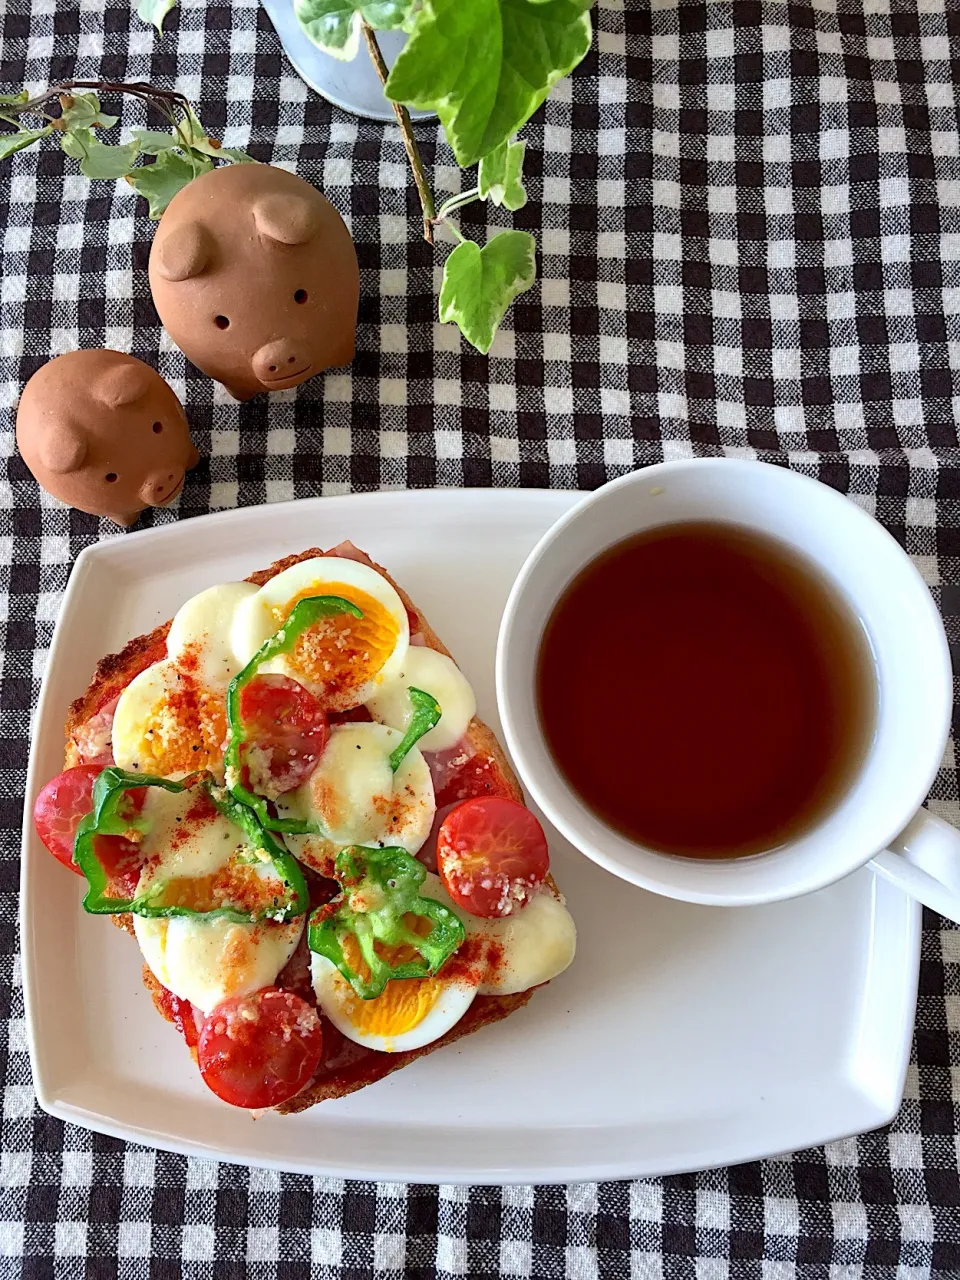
x=426, y=713
x=379, y=888
x=107, y=818
x=303, y=615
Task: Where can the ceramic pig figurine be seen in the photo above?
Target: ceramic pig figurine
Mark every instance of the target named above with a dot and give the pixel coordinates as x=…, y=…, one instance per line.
x=104, y=433
x=255, y=278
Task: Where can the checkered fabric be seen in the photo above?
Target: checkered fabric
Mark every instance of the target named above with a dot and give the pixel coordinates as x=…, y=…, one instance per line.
x=749, y=226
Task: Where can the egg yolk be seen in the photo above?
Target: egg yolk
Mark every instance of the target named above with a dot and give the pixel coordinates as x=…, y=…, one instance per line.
x=402, y=1005
x=233, y=886
x=186, y=731
x=342, y=653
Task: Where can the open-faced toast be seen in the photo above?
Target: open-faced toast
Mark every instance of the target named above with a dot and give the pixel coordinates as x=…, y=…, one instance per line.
x=477, y=768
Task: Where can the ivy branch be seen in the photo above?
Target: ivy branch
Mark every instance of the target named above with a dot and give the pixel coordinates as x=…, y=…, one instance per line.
x=406, y=132
x=179, y=156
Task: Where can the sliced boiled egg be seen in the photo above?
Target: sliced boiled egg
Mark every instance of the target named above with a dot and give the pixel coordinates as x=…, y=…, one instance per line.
x=169, y=723
x=207, y=961
x=191, y=849
x=439, y=675
x=518, y=951
x=171, y=718
x=498, y=958
x=357, y=798
x=195, y=857
x=409, y=1012
x=199, y=636
x=342, y=659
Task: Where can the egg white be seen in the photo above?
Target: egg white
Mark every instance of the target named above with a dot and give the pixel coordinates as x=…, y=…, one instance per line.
x=144, y=723
x=537, y=943
x=345, y=793
x=202, y=629
x=338, y=1001
x=256, y=618
x=208, y=961
x=200, y=960
x=439, y=675
x=172, y=847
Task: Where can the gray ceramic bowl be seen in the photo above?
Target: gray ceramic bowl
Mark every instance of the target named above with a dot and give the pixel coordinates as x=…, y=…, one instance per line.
x=352, y=86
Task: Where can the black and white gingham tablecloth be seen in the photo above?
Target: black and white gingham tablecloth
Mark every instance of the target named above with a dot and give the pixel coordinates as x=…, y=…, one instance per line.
x=749, y=225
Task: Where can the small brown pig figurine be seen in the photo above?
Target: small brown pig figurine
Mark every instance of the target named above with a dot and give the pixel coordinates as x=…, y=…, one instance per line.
x=255, y=278
x=104, y=433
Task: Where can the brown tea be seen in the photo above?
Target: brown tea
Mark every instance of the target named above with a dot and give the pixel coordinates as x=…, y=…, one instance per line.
x=705, y=691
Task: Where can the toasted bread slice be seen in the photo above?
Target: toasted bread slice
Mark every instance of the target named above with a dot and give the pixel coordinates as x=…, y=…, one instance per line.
x=347, y=1067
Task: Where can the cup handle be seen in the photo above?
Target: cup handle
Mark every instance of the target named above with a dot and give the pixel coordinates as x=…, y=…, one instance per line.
x=924, y=861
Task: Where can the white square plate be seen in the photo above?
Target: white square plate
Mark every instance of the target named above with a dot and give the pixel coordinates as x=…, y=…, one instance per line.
x=683, y=1036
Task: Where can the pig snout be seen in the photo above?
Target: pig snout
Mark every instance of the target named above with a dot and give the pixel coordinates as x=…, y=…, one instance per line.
x=160, y=487
x=276, y=361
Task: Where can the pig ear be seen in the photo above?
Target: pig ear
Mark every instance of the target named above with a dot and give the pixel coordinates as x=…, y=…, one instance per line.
x=287, y=219
x=122, y=384
x=63, y=449
x=184, y=252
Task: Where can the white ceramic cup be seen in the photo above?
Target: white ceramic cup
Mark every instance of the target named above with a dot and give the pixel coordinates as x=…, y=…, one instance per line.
x=880, y=819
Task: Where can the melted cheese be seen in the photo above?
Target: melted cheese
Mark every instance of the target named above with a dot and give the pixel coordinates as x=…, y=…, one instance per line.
x=357, y=797
x=439, y=675
x=207, y=961
x=177, y=845
x=169, y=724
x=528, y=948
x=199, y=636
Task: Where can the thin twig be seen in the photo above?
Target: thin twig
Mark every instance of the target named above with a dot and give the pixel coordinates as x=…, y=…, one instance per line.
x=162, y=99
x=409, y=141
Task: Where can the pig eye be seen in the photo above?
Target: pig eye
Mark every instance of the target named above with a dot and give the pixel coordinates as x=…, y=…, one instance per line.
x=157, y=428
x=110, y=477
x=221, y=322
x=300, y=296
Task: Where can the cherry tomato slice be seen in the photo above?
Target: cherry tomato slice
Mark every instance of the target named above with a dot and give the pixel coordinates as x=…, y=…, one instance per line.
x=460, y=773
x=287, y=731
x=60, y=805
x=56, y=815
x=491, y=855
x=259, y=1050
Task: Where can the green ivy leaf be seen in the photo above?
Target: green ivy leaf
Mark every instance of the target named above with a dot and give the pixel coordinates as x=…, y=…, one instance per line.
x=159, y=182
x=22, y=96
x=479, y=284
x=334, y=25
x=153, y=141
x=485, y=66
x=155, y=11
x=98, y=159
x=11, y=142
x=86, y=112
x=234, y=155
x=196, y=135
x=500, y=176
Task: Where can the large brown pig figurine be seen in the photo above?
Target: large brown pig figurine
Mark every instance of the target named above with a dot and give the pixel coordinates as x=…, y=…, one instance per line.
x=103, y=432
x=255, y=278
